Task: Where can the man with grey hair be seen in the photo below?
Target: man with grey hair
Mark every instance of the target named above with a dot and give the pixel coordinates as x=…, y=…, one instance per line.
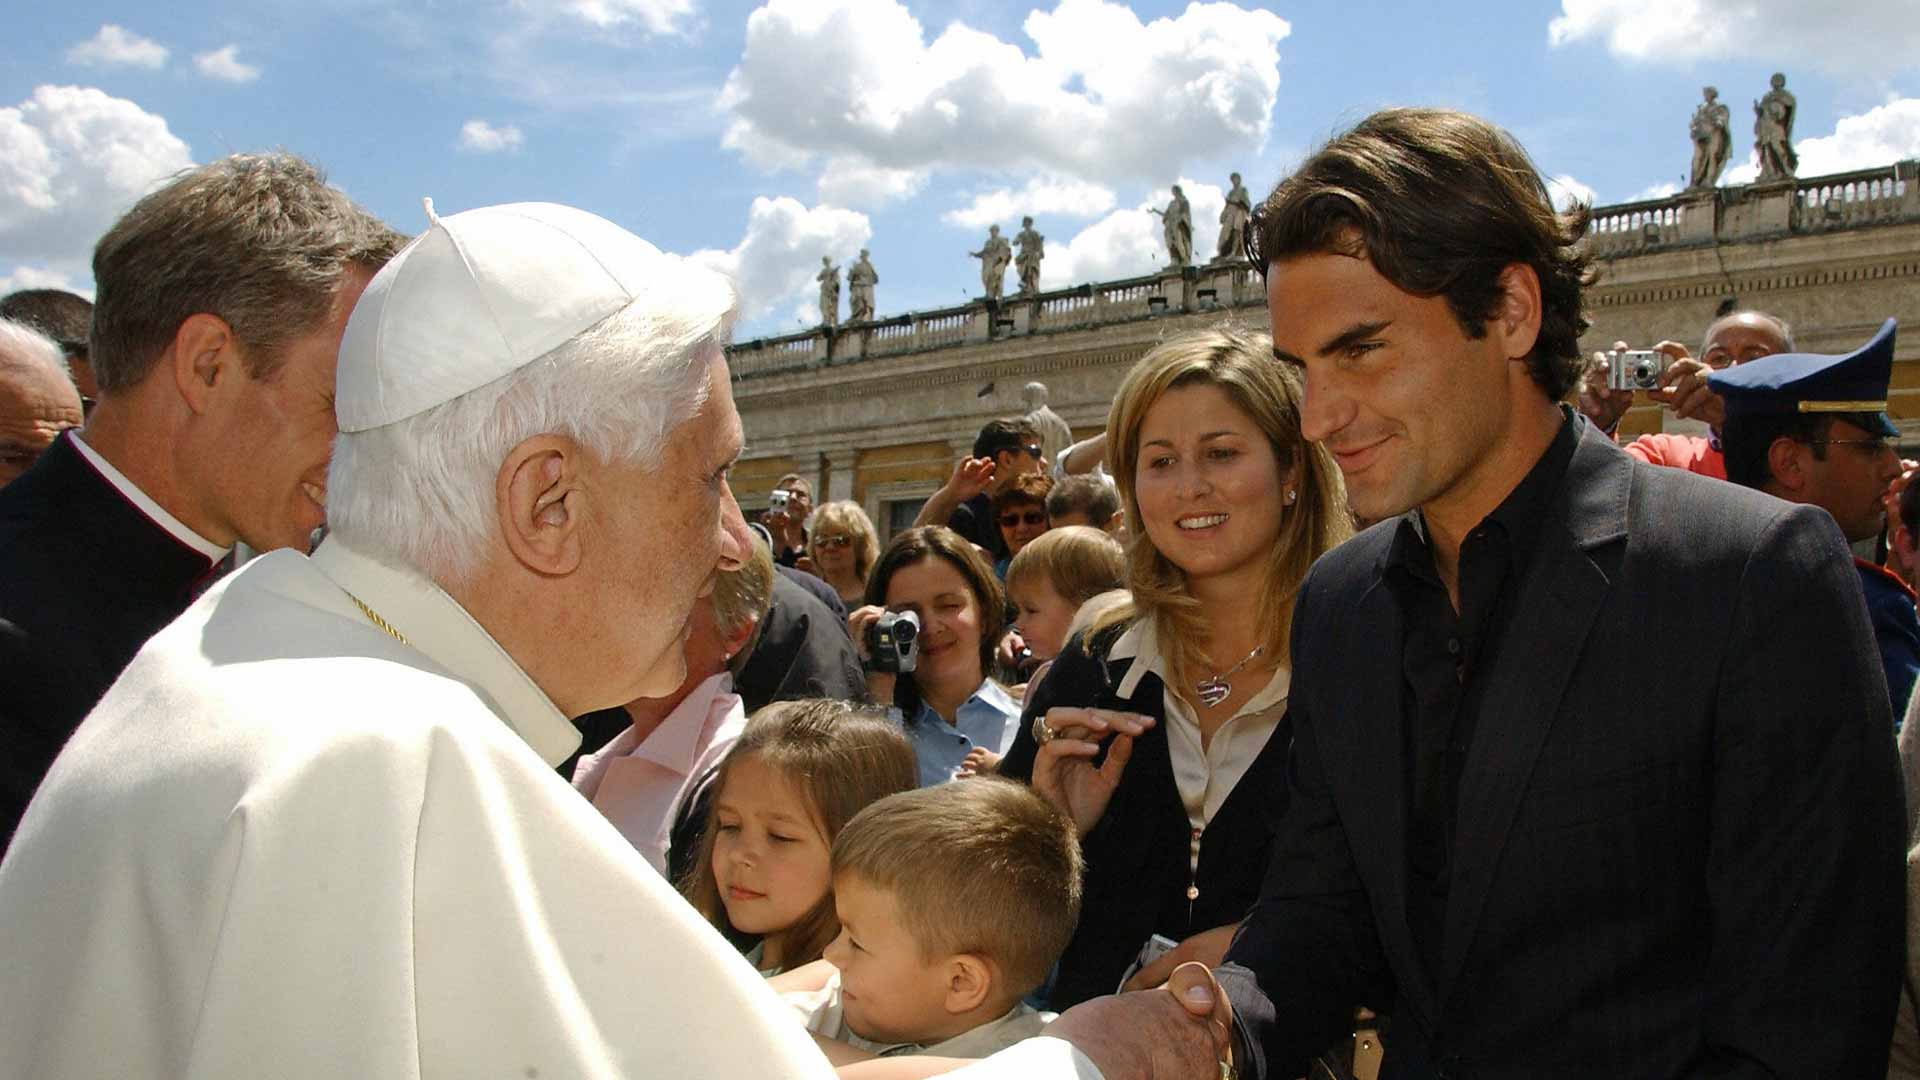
x=37, y=397
x=221, y=300
x=316, y=825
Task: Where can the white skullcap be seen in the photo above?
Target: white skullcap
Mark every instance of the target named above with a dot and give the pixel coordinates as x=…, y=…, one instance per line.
x=476, y=297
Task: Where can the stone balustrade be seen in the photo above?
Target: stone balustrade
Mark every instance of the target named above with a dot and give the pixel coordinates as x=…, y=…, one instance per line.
x=1740, y=214
x=1728, y=215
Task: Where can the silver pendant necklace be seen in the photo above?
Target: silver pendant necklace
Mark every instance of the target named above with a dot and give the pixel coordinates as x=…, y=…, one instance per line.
x=1215, y=690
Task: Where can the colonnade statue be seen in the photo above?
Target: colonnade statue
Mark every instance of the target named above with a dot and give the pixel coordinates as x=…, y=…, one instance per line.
x=829, y=279
x=860, y=282
x=1032, y=250
x=1711, y=140
x=994, y=255
x=1176, y=222
x=1773, y=132
x=1233, y=222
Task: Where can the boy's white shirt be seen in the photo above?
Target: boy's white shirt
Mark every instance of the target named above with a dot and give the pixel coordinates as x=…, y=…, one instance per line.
x=824, y=1015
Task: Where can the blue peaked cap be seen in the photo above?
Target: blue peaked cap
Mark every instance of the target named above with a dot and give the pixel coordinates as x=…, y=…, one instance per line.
x=1854, y=383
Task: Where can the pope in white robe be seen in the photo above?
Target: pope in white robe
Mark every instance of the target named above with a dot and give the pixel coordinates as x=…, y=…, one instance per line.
x=314, y=830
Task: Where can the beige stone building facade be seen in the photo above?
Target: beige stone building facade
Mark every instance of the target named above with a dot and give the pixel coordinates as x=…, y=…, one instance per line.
x=879, y=411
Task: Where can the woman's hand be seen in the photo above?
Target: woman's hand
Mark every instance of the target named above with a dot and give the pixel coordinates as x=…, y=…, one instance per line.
x=1208, y=947
x=1063, y=770
x=879, y=683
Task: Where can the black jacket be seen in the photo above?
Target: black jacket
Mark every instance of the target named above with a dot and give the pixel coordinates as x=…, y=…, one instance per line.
x=1137, y=856
x=1681, y=835
x=85, y=579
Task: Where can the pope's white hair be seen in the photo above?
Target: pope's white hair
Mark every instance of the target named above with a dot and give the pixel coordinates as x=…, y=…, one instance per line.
x=420, y=492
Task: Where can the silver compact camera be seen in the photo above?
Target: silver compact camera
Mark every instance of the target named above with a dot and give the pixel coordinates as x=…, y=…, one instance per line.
x=1636, y=369
x=777, y=500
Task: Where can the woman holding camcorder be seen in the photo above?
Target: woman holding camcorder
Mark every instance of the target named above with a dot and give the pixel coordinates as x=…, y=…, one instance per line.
x=926, y=635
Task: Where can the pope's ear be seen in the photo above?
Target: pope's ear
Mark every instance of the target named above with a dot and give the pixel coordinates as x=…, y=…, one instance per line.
x=540, y=500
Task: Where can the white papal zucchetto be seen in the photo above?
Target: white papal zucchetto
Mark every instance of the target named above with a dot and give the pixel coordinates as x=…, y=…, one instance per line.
x=478, y=296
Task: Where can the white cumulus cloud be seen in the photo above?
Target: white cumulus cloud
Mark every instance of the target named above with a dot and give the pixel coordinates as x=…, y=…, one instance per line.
x=484, y=138
x=650, y=16
x=854, y=182
x=1040, y=195
x=39, y=277
x=779, y=254
x=1880, y=136
x=116, y=46
x=1861, y=36
x=1131, y=241
x=1101, y=95
x=225, y=64
x=1566, y=190
x=72, y=159
x=1654, y=191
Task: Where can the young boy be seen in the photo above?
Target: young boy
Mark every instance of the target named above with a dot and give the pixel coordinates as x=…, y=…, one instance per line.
x=954, y=903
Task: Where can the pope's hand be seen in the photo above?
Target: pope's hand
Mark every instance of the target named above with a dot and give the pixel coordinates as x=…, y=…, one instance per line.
x=1183, y=1029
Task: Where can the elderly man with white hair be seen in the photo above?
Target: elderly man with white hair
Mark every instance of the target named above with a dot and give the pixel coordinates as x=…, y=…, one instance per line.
x=38, y=399
x=314, y=829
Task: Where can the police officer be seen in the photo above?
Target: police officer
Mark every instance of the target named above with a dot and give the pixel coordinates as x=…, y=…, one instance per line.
x=1811, y=428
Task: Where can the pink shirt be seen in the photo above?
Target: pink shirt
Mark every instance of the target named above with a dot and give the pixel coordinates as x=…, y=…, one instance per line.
x=1689, y=452
x=639, y=784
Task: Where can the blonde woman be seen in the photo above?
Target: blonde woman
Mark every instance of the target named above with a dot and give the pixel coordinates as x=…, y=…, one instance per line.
x=1161, y=730
x=841, y=549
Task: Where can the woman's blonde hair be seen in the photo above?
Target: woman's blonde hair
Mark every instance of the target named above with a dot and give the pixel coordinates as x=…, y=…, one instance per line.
x=1241, y=364
x=845, y=516
x=837, y=756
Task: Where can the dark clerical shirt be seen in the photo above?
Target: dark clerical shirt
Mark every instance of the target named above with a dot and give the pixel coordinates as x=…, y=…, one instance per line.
x=1442, y=653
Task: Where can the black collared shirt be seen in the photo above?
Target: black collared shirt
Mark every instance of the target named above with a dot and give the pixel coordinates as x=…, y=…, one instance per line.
x=1443, y=653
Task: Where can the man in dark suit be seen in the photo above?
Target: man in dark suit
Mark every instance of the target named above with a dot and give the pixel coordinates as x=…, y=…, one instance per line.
x=221, y=301
x=1546, y=841
x=1590, y=774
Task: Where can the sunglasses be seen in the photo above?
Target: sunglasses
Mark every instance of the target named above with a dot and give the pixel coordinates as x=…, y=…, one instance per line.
x=1031, y=517
x=834, y=541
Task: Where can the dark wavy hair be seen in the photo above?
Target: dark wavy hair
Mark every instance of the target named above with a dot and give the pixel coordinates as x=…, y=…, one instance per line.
x=940, y=542
x=1440, y=203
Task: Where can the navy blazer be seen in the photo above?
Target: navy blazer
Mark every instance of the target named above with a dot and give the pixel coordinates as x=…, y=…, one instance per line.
x=1680, y=839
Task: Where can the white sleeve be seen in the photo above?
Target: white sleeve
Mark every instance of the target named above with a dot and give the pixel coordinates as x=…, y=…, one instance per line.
x=1039, y=1058
x=544, y=945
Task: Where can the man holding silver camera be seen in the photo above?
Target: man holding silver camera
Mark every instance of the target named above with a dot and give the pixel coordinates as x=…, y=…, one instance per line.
x=786, y=518
x=1681, y=385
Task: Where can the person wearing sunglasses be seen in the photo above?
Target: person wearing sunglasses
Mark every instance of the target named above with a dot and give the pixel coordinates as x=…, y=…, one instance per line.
x=1813, y=429
x=1020, y=512
x=841, y=549
x=1004, y=451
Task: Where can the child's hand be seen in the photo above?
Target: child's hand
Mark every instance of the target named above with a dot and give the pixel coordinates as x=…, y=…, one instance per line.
x=980, y=761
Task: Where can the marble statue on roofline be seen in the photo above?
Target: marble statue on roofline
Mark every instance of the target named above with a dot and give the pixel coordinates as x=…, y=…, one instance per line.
x=1773, y=132
x=1234, y=217
x=994, y=255
x=829, y=279
x=860, y=282
x=1176, y=223
x=1712, y=140
x=1032, y=250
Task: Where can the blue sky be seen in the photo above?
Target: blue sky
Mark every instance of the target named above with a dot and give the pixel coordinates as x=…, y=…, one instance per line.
x=763, y=136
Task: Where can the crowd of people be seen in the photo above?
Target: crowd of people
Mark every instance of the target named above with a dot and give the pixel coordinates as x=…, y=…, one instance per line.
x=393, y=686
